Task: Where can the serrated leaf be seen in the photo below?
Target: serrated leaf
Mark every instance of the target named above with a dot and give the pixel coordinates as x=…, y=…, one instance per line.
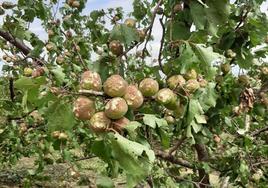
x=208, y=96
x=149, y=120
x=59, y=75
x=131, y=128
x=134, y=158
x=60, y=116
x=194, y=109
x=124, y=34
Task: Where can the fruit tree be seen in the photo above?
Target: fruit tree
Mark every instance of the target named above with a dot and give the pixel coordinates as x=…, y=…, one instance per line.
x=193, y=115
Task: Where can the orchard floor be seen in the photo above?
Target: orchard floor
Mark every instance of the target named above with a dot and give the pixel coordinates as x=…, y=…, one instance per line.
x=56, y=175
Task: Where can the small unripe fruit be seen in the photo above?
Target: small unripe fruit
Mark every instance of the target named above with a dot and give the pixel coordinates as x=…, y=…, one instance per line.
x=27, y=71
x=203, y=82
x=166, y=97
x=149, y=87
x=175, y=81
x=75, y=4
x=50, y=33
x=170, y=119
x=216, y=138
x=55, y=134
x=191, y=75
x=50, y=47
x=178, y=8
x=243, y=79
x=8, y=5
x=99, y=122
x=116, y=47
x=115, y=86
x=192, y=85
x=130, y=22
x=142, y=34
x=264, y=70
x=116, y=108
x=230, y=54
x=133, y=97
x=120, y=124
x=84, y=108
x=39, y=71
x=225, y=68
x=60, y=60
x=63, y=136
x=91, y=81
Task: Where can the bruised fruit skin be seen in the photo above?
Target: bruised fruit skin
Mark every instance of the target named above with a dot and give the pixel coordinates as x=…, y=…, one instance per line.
x=115, y=86
x=116, y=108
x=130, y=22
x=99, y=122
x=91, y=81
x=84, y=108
x=191, y=75
x=166, y=97
x=133, y=97
x=116, y=47
x=192, y=85
x=149, y=87
x=225, y=68
x=120, y=124
x=175, y=81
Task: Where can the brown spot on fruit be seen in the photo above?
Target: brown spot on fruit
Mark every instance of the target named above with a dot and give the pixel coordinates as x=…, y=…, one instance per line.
x=133, y=97
x=99, y=122
x=120, y=124
x=91, y=81
x=116, y=47
x=167, y=97
x=115, y=86
x=130, y=22
x=116, y=108
x=175, y=81
x=83, y=108
x=149, y=87
x=192, y=85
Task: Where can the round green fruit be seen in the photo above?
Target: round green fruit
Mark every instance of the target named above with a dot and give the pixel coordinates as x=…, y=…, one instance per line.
x=191, y=74
x=91, y=80
x=116, y=108
x=133, y=97
x=27, y=71
x=243, y=79
x=84, y=108
x=116, y=47
x=170, y=119
x=175, y=81
x=149, y=87
x=115, y=86
x=225, y=68
x=130, y=22
x=99, y=122
x=192, y=85
x=166, y=97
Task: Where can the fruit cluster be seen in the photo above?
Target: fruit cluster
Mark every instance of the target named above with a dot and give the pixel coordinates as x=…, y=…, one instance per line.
x=123, y=97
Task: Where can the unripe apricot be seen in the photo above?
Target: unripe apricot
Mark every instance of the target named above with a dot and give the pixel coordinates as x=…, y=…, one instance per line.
x=91, y=81
x=175, y=81
x=149, y=87
x=84, y=108
x=99, y=122
x=133, y=97
x=115, y=86
x=116, y=108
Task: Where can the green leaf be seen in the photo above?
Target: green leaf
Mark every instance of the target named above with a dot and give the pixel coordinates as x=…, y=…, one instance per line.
x=60, y=116
x=208, y=96
x=134, y=158
x=197, y=13
x=104, y=182
x=59, y=75
x=193, y=110
x=149, y=120
x=132, y=127
x=124, y=34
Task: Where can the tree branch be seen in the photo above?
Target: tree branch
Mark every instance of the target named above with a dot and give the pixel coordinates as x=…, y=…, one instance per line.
x=170, y=158
x=161, y=44
x=18, y=43
x=176, y=146
x=202, y=157
x=257, y=132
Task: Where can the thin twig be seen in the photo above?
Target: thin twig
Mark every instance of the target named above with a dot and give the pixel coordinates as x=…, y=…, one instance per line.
x=176, y=146
x=257, y=132
x=161, y=44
